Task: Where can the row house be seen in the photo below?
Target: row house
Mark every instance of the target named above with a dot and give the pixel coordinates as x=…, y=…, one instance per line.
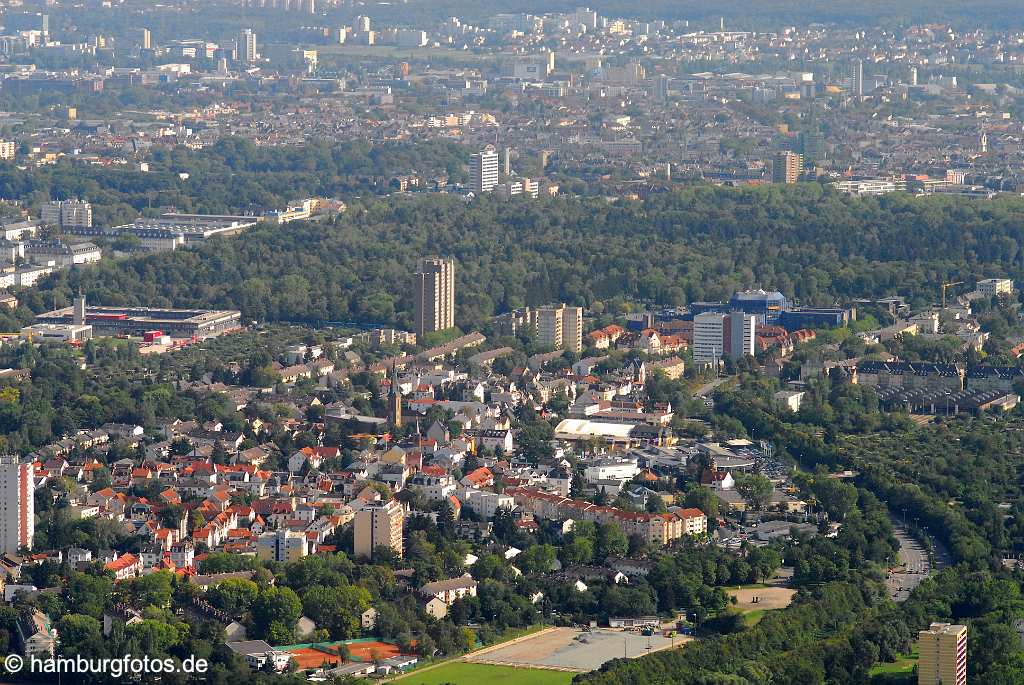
x=660, y=529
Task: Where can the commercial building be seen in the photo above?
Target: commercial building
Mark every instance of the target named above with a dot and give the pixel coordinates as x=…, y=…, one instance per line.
x=57, y=332
x=716, y=335
x=787, y=167
x=896, y=374
x=943, y=659
x=766, y=305
x=67, y=214
x=176, y=323
x=866, y=186
x=990, y=287
x=560, y=327
x=378, y=525
x=246, y=46
x=434, y=293
x=17, y=512
x=192, y=227
x=483, y=169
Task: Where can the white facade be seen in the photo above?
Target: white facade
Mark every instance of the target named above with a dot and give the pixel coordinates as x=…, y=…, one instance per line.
x=990, y=287
x=485, y=503
x=869, y=186
x=246, y=47
x=17, y=511
x=484, y=170
x=708, y=334
x=611, y=470
x=742, y=332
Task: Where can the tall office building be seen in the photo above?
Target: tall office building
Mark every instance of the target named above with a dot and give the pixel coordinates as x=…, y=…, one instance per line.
x=17, y=509
x=506, y=161
x=943, y=657
x=787, y=167
x=708, y=335
x=858, y=78
x=146, y=39
x=740, y=334
x=378, y=525
x=560, y=327
x=246, y=46
x=812, y=144
x=661, y=87
x=717, y=335
x=434, y=293
x=484, y=170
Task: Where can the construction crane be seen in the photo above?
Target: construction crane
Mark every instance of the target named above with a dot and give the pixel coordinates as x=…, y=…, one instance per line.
x=948, y=285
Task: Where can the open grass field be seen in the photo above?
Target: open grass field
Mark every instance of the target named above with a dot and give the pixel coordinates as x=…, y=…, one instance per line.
x=462, y=673
x=904, y=664
x=752, y=617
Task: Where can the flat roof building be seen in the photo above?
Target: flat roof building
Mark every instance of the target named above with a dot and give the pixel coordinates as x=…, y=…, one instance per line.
x=176, y=323
x=943, y=655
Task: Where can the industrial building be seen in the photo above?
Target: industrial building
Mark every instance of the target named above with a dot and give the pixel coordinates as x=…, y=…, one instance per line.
x=192, y=227
x=137, y=321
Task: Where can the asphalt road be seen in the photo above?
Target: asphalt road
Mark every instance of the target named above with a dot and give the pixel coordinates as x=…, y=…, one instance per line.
x=708, y=388
x=913, y=565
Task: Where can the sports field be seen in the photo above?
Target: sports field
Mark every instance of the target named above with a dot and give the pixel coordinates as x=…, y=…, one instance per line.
x=462, y=673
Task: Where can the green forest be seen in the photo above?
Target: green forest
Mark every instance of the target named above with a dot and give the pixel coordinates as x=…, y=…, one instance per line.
x=699, y=243
x=230, y=177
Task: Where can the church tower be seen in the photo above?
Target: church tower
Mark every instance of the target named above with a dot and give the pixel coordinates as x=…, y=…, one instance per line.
x=394, y=399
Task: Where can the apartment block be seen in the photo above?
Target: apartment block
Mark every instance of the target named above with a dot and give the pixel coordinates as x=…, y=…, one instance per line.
x=560, y=327
x=787, y=167
x=67, y=214
x=434, y=293
x=483, y=169
x=378, y=525
x=943, y=657
x=17, y=509
x=281, y=545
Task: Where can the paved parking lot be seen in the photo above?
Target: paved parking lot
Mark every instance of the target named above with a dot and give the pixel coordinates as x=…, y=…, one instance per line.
x=571, y=649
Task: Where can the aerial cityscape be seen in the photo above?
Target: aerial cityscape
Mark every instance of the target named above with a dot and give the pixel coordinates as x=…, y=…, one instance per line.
x=446, y=342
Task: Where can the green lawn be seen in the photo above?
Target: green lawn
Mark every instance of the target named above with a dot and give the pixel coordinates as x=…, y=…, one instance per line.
x=462, y=673
x=904, y=664
x=752, y=617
